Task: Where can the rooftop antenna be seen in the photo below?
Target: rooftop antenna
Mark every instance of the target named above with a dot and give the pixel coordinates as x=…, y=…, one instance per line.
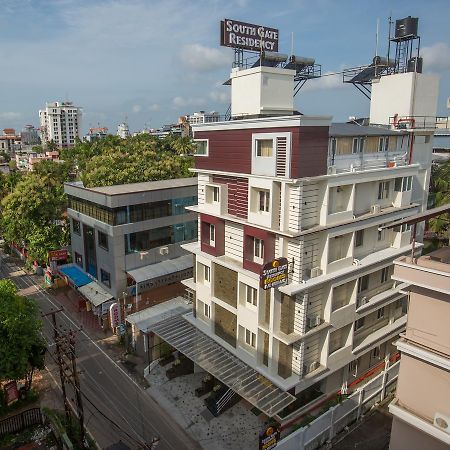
x=376, y=37
x=292, y=43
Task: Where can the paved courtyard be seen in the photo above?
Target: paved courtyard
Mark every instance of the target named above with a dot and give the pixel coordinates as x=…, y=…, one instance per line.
x=236, y=428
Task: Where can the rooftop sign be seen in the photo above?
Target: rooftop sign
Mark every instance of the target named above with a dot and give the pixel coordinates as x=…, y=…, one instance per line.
x=248, y=36
x=274, y=273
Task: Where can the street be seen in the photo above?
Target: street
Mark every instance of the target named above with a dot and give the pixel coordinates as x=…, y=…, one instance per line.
x=109, y=393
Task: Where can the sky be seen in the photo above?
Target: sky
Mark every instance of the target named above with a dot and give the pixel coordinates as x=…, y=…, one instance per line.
x=150, y=61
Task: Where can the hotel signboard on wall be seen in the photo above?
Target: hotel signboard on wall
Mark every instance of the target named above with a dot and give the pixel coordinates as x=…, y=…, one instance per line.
x=248, y=36
x=274, y=273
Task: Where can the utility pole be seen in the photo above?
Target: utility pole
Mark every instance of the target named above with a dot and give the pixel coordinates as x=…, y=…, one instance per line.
x=59, y=358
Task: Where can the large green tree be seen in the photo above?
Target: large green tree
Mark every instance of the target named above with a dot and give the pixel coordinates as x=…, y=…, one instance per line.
x=32, y=215
x=22, y=346
x=139, y=158
x=439, y=196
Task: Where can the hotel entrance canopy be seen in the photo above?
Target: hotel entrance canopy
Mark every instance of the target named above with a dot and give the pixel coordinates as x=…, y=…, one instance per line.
x=230, y=370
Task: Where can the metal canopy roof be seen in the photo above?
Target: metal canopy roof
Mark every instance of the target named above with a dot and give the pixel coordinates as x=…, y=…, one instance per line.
x=230, y=370
x=160, y=269
x=95, y=293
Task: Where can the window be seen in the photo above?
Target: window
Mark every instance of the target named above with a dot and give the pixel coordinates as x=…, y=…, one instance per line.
x=359, y=323
x=380, y=313
x=212, y=234
x=383, y=144
x=76, y=226
x=251, y=295
x=102, y=240
x=359, y=238
x=258, y=250
x=403, y=184
x=381, y=233
x=264, y=147
x=333, y=147
x=216, y=194
x=201, y=147
x=78, y=259
x=105, y=278
x=207, y=273
x=264, y=201
x=358, y=145
x=384, y=274
x=250, y=338
x=383, y=190
x=376, y=353
x=363, y=283
x=402, y=228
x=207, y=311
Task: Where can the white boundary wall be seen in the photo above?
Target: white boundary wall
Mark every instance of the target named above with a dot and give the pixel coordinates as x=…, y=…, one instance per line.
x=328, y=425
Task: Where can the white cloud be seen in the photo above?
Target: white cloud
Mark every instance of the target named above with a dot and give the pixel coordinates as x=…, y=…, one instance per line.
x=324, y=82
x=202, y=59
x=220, y=97
x=10, y=115
x=436, y=57
x=154, y=107
x=136, y=108
x=181, y=102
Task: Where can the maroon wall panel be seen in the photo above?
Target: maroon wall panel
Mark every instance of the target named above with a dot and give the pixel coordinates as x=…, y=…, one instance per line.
x=309, y=152
x=237, y=194
x=230, y=150
x=269, y=247
x=219, y=224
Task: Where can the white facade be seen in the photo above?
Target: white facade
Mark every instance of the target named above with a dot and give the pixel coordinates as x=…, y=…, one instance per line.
x=123, y=131
x=61, y=123
x=203, y=117
x=261, y=91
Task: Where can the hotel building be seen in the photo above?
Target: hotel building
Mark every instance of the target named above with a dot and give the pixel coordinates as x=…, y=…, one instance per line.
x=277, y=184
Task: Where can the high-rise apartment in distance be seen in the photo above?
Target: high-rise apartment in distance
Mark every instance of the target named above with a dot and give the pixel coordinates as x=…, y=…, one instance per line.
x=60, y=123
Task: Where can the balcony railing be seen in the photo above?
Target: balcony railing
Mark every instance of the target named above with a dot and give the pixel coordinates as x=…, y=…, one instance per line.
x=418, y=122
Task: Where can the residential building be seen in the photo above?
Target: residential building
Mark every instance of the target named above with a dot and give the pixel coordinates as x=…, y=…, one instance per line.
x=128, y=238
x=30, y=135
x=282, y=185
x=421, y=408
x=10, y=142
x=123, y=131
x=96, y=133
x=60, y=123
x=203, y=117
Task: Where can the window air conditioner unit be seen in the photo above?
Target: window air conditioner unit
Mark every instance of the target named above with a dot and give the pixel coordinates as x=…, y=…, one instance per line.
x=442, y=422
x=375, y=209
x=313, y=366
x=164, y=251
x=315, y=272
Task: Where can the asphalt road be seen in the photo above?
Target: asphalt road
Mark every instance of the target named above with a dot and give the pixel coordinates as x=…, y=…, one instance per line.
x=138, y=417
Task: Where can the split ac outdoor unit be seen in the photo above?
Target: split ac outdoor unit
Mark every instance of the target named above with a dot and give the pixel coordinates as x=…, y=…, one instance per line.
x=332, y=170
x=362, y=301
x=164, y=251
x=315, y=272
x=314, y=321
x=129, y=306
x=313, y=366
x=442, y=422
x=375, y=209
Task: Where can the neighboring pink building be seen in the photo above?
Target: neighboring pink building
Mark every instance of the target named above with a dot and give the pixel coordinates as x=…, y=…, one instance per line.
x=421, y=408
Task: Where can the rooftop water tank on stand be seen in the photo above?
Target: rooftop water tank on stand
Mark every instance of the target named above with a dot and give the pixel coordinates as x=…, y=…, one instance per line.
x=406, y=28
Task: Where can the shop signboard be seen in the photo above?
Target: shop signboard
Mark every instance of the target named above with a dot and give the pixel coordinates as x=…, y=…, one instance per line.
x=247, y=36
x=57, y=255
x=114, y=315
x=269, y=438
x=274, y=273
x=11, y=392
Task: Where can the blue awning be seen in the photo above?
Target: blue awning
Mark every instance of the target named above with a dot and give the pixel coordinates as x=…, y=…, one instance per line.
x=76, y=276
